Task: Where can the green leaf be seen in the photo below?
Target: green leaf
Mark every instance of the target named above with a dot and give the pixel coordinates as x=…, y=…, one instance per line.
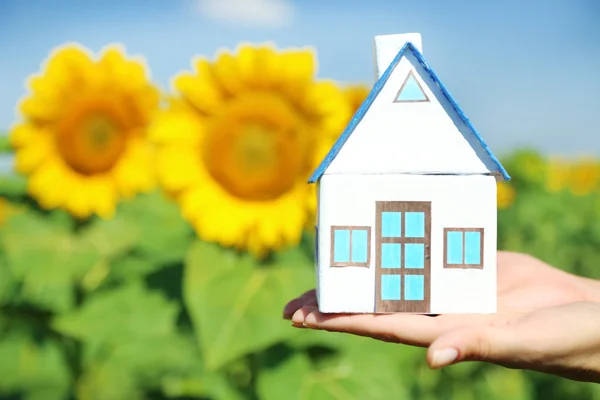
x=501, y=383
x=147, y=233
x=164, y=236
x=365, y=370
x=127, y=370
x=200, y=383
x=12, y=186
x=34, y=367
x=5, y=146
x=131, y=267
x=107, y=382
x=170, y=364
x=113, y=237
x=235, y=303
x=46, y=258
x=294, y=377
x=7, y=283
x=126, y=313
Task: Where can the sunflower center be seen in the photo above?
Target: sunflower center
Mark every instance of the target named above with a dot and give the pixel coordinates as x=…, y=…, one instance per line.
x=256, y=149
x=92, y=140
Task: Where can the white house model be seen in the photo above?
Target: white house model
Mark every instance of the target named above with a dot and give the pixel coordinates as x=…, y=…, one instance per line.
x=407, y=199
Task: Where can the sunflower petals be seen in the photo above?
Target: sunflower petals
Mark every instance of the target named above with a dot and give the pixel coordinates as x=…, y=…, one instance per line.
x=200, y=90
x=72, y=93
x=226, y=73
x=178, y=167
x=230, y=102
x=176, y=126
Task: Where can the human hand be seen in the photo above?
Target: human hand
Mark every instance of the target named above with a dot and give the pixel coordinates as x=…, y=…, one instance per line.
x=547, y=320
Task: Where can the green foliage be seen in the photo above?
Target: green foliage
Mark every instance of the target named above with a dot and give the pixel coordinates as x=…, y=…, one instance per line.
x=238, y=295
x=37, y=368
x=5, y=146
x=136, y=307
x=559, y=228
x=13, y=187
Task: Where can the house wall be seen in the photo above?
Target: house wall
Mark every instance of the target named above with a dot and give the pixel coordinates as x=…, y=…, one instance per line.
x=456, y=202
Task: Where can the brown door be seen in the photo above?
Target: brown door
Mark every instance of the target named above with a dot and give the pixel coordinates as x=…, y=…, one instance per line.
x=402, y=256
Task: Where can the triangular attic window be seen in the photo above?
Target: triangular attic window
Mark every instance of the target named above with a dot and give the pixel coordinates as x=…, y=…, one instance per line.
x=411, y=91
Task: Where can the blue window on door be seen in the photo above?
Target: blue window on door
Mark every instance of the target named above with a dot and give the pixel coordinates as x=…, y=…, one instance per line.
x=463, y=247
x=390, y=287
x=403, y=255
x=414, y=224
x=414, y=287
x=391, y=225
x=391, y=254
x=414, y=255
x=350, y=246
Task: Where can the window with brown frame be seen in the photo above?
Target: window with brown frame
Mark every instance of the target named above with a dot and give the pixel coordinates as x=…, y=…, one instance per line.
x=350, y=246
x=463, y=248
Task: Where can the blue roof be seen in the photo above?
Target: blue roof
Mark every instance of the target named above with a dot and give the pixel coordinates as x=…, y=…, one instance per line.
x=360, y=113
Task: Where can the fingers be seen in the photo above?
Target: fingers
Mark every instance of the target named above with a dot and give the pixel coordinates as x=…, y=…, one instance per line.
x=411, y=329
x=309, y=299
x=416, y=330
x=496, y=344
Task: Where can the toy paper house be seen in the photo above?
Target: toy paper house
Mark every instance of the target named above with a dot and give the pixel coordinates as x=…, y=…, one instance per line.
x=407, y=199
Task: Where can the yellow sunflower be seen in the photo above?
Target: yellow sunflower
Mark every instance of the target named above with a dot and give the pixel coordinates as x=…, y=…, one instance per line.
x=505, y=195
x=356, y=95
x=558, y=174
x=82, y=141
x=585, y=176
x=240, y=139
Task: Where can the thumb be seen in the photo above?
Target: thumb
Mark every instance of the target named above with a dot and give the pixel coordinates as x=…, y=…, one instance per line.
x=472, y=343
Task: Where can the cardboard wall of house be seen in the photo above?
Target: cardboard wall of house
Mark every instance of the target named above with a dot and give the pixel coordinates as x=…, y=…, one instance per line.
x=412, y=137
x=456, y=202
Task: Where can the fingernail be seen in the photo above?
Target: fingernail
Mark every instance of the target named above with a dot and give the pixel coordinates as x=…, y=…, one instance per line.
x=311, y=320
x=444, y=357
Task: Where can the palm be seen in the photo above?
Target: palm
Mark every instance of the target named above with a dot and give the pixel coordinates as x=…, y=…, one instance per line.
x=538, y=306
x=526, y=284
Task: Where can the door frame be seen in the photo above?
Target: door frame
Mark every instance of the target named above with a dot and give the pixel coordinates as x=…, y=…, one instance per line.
x=410, y=306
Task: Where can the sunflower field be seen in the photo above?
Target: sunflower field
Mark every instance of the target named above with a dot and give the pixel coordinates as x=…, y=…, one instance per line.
x=149, y=239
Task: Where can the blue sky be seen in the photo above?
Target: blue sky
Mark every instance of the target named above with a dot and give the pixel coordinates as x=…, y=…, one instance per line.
x=525, y=72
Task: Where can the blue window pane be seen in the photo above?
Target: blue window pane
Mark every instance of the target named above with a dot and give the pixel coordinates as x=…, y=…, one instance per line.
x=360, y=246
x=390, y=224
x=341, y=241
x=472, y=247
x=414, y=224
x=454, y=243
x=390, y=255
x=414, y=287
x=414, y=255
x=411, y=91
x=390, y=287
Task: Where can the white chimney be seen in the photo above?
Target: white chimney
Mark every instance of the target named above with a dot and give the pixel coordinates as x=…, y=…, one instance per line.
x=387, y=47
